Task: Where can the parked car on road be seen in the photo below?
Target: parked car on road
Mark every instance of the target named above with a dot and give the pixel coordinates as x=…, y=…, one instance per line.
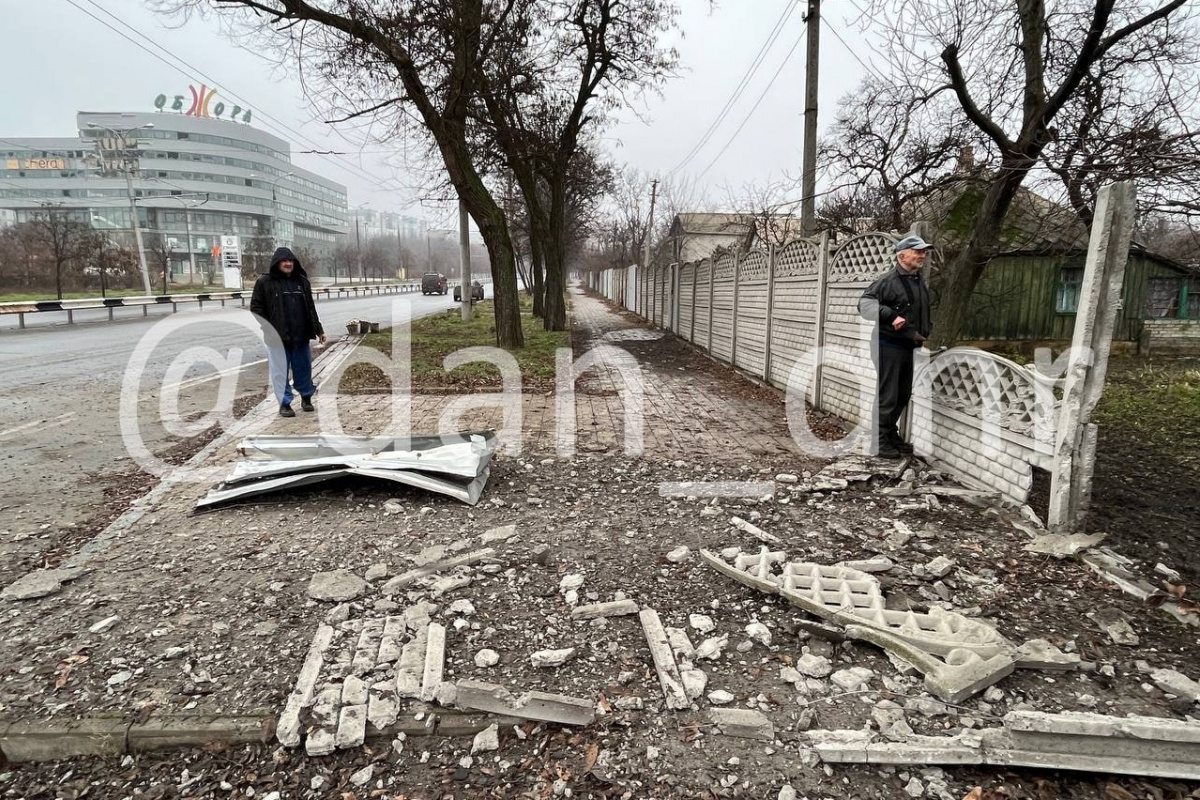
x=476, y=292
x=433, y=283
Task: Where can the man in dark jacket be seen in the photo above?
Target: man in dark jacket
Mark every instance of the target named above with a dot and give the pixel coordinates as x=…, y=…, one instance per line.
x=899, y=303
x=283, y=299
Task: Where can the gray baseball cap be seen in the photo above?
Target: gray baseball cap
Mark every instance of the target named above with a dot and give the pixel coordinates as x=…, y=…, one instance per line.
x=912, y=242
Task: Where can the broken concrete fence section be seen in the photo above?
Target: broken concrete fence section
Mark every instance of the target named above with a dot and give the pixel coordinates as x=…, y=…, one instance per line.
x=538, y=706
x=1147, y=746
x=664, y=660
x=455, y=465
x=403, y=581
x=616, y=608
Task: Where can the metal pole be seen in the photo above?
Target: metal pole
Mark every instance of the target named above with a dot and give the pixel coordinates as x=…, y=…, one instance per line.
x=464, y=260
x=358, y=249
x=137, y=231
x=808, y=196
x=187, y=223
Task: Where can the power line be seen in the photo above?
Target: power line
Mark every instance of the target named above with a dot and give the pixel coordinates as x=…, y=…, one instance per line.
x=852, y=52
x=742, y=85
x=281, y=130
x=757, y=102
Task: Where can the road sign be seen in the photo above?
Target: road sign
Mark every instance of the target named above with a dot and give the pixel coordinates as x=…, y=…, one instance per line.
x=231, y=262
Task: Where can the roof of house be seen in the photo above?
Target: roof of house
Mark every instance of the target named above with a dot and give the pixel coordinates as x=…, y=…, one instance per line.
x=768, y=227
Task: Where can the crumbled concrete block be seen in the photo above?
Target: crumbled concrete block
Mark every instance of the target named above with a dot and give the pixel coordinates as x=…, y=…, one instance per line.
x=754, y=530
x=742, y=722
x=538, y=706
x=320, y=742
x=486, y=740
x=681, y=645
x=760, y=633
x=694, y=683
x=354, y=691
x=487, y=658
x=1116, y=625
x=860, y=747
x=287, y=730
x=1062, y=545
x=435, y=661
x=1040, y=654
x=664, y=660
x=893, y=725
x=878, y=564
x=403, y=581
x=352, y=727
x=382, y=706
x=56, y=741
x=500, y=534
x=339, y=586
x=551, y=658
x=616, y=608
x=720, y=697
x=959, y=675
x=939, y=567
x=1176, y=683
x=711, y=648
x=814, y=666
x=40, y=583
x=679, y=554
x=852, y=679
x=411, y=666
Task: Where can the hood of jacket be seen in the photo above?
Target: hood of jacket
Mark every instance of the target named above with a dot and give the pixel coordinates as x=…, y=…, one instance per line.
x=283, y=254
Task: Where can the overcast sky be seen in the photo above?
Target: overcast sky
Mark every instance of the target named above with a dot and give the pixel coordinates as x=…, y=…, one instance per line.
x=58, y=60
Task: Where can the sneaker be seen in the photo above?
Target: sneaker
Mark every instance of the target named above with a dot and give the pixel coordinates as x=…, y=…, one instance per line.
x=285, y=410
x=306, y=404
x=903, y=446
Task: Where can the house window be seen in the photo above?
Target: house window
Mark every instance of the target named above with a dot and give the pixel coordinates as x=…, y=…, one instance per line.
x=1066, y=297
x=1162, y=297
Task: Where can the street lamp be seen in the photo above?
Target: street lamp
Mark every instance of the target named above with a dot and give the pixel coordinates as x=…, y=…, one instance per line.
x=274, y=204
x=128, y=170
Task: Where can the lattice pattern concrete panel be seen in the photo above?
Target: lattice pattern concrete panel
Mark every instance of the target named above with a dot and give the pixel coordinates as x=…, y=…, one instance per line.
x=864, y=257
x=850, y=597
x=753, y=267
x=992, y=388
x=799, y=257
x=723, y=269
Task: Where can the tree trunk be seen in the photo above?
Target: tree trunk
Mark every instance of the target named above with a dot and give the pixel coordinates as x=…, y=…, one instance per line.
x=537, y=258
x=494, y=230
x=959, y=277
x=58, y=278
x=556, y=297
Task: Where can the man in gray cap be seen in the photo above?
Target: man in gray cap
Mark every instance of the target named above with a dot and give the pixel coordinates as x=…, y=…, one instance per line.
x=899, y=303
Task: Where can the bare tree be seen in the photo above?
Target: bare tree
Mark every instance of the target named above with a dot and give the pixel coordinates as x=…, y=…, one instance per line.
x=1013, y=67
x=158, y=254
x=64, y=237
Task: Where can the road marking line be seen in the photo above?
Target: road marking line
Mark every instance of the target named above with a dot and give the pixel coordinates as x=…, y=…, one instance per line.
x=59, y=420
x=190, y=382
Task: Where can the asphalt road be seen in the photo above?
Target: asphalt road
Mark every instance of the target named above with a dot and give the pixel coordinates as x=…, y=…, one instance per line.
x=60, y=426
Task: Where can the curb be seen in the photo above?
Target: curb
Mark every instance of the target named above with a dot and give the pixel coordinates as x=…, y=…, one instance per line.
x=32, y=742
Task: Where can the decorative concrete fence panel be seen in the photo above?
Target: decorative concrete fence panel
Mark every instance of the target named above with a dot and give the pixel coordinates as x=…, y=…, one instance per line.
x=723, y=297
x=750, y=323
x=989, y=419
x=793, y=320
x=687, y=282
x=847, y=378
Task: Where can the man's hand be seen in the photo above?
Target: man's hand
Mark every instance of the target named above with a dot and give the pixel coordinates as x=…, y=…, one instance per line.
x=321, y=338
x=898, y=323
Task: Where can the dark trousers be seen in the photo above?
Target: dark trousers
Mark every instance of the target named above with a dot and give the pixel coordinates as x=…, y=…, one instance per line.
x=894, y=367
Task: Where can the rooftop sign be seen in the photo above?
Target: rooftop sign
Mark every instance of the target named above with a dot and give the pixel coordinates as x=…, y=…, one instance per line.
x=202, y=106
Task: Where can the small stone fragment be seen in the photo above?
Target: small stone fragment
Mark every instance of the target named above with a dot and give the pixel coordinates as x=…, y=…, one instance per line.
x=759, y=633
x=702, y=622
x=363, y=776
x=487, y=658
x=852, y=679
x=552, y=658
x=679, y=554
x=939, y=567
x=720, y=697
x=814, y=666
x=486, y=740
x=711, y=648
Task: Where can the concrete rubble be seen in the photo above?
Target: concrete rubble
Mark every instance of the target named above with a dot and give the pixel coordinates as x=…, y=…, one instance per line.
x=1133, y=745
x=40, y=583
x=742, y=722
x=539, y=706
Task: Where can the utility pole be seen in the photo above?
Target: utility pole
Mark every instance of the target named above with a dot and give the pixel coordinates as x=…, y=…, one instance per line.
x=650, y=223
x=464, y=259
x=137, y=229
x=358, y=249
x=808, y=196
x=128, y=165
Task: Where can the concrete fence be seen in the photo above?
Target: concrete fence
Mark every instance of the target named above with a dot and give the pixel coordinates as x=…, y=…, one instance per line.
x=788, y=316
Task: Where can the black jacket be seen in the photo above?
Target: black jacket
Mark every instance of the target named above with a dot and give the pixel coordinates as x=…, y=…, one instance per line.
x=886, y=299
x=267, y=300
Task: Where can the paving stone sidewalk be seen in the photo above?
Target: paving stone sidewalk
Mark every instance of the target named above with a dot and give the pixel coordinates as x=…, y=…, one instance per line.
x=691, y=408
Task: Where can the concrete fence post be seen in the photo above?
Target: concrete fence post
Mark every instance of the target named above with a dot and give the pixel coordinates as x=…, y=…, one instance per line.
x=712, y=279
x=695, y=280
x=823, y=259
x=733, y=339
x=766, y=373
x=1083, y=384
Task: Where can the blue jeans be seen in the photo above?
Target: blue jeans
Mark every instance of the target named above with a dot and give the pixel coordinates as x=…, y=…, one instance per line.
x=297, y=357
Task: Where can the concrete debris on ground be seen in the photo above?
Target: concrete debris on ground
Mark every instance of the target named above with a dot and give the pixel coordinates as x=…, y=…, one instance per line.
x=1132, y=745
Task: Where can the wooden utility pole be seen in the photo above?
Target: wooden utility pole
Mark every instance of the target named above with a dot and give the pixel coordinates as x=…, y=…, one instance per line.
x=650, y=224
x=808, y=197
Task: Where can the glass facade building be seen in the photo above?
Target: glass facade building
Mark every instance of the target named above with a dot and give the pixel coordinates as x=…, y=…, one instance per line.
x=213, y=176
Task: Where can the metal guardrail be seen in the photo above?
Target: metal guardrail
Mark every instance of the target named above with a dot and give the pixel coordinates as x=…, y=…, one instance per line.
x=21, y=308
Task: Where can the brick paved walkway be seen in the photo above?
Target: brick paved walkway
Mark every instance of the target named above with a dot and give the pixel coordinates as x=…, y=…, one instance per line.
x=692, y=408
